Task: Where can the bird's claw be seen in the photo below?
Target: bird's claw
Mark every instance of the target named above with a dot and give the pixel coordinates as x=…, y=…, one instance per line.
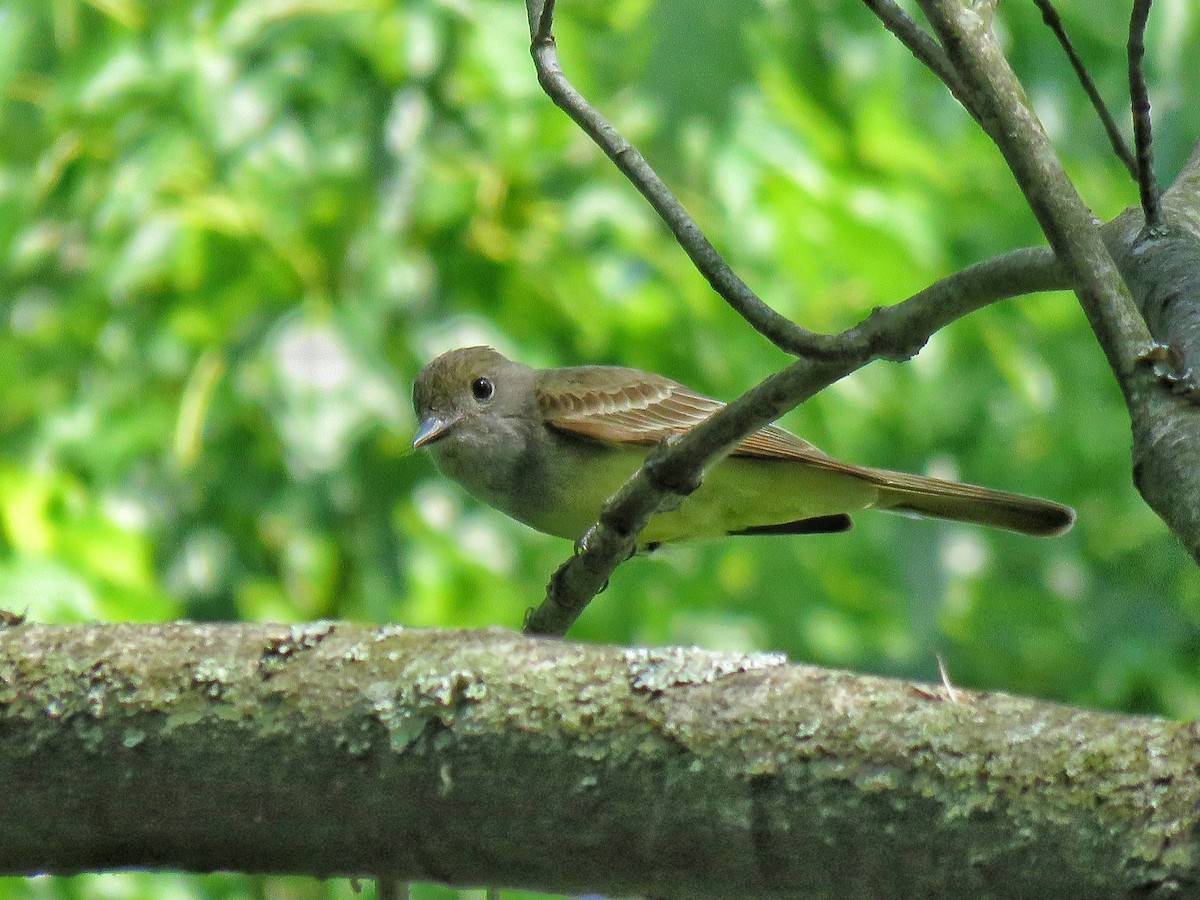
x=581, y=545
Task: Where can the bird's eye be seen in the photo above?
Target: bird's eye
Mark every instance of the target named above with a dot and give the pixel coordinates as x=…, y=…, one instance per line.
x=482, y=389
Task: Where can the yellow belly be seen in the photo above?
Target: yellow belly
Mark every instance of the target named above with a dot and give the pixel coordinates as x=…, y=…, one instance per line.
x=743, y=493
x=738, y=493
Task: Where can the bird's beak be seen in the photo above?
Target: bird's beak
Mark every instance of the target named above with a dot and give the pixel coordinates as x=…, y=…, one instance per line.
x=433, y=427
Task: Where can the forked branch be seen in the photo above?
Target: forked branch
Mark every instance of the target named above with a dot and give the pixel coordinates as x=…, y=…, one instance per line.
x=895, y=332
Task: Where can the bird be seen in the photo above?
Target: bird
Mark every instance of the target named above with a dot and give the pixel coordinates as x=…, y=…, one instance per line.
x=548, y=447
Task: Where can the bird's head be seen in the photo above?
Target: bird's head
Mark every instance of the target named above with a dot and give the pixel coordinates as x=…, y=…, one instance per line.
x=464, y=387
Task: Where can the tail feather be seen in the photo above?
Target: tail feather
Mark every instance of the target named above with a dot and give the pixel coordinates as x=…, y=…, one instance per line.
x=969, y=503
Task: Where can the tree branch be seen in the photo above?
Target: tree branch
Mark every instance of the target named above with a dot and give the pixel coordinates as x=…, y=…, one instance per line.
x=990, y=90
x=674, y=470
x=1162, y=268
x=1068, y=224
x=1166, y=429
x=487, y=758
x=895, y=333
x=1140, y=101
x=778, y=329
x=920, y=44
x=1055, y=23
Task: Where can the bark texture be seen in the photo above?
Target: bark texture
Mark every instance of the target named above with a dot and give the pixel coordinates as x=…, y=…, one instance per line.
x=485, y=757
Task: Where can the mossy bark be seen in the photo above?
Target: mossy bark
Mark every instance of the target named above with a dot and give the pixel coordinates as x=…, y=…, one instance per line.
x=482, y=757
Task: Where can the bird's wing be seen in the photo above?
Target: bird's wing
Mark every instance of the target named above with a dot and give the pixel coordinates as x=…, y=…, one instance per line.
x=628, y=406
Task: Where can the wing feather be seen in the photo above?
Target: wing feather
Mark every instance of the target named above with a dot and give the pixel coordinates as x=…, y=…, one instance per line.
x=628, y=406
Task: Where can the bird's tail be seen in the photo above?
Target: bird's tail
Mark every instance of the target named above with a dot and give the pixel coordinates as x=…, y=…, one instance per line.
x=960, y=502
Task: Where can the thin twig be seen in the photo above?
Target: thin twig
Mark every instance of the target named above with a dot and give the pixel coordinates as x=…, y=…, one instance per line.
x=778, y=329
x=1055, y=23
x=1140, y=97
x=920, y=43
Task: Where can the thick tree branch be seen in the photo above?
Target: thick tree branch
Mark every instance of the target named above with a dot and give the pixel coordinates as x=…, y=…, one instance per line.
x=487, y=758
x=1162, y=268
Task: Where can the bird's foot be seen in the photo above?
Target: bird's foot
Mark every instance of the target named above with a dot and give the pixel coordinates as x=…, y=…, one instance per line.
x=581, y=545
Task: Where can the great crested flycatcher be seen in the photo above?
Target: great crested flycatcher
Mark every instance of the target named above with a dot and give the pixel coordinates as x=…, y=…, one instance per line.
x=549, y=446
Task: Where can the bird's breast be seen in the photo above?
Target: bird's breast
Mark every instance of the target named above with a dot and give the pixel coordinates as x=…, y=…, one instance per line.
x=552, y=482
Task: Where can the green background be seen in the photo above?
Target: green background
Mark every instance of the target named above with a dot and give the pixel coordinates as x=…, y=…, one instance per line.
x=231, y=233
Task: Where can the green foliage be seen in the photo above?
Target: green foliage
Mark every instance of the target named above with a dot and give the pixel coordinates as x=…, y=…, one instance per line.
x=230, y=234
